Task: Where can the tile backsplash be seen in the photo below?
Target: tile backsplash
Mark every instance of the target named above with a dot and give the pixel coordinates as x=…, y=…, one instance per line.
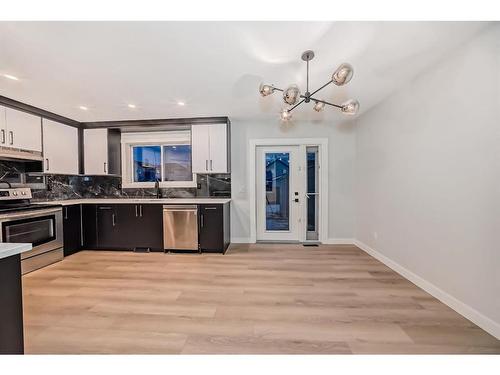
x=70, y=187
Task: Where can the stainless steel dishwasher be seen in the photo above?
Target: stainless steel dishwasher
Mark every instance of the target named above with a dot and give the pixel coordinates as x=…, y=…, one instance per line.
x=180, y=227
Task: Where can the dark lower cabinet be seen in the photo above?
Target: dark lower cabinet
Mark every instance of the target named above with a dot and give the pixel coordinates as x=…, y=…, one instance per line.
x=72, y=229
x=11, y=306
x=89, y=227
x=148, y=227
x=214, y=227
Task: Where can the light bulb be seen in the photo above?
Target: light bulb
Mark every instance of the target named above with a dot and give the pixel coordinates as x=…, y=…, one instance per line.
x=265, y=90
x=291, y=95
x=318, y=106
x=343, y=74
x=285, y=115
x=350, y=107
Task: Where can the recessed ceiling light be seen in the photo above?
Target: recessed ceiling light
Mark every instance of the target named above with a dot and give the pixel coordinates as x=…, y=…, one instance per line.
x=83, y=108
x=9, y=76
x=181, y=103
x=131, y=106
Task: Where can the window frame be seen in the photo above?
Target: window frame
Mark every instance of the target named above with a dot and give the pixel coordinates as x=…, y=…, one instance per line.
x=165, y=138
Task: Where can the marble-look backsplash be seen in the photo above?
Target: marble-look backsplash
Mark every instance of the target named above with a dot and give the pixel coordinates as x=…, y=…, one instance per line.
x=60, y=187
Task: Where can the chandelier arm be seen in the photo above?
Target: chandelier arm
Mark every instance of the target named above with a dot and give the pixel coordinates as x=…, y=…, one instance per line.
x=332, y=104
x=321, y=88
x=296, y=105
x=277, y=89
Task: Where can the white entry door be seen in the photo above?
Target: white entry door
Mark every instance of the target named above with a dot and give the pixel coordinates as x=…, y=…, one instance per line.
x=279, y=193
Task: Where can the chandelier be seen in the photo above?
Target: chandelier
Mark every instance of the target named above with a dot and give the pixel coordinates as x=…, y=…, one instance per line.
x=293, y=98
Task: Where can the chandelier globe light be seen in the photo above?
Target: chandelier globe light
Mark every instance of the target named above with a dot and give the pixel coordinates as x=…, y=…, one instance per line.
x=293, y=97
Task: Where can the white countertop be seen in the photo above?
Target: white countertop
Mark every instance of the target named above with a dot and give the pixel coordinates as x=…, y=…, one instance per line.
x=8, y=249
x=69, y=202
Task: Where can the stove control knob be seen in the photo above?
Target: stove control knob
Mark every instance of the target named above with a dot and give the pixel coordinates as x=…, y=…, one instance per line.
x=23, y=193
x=14, y=193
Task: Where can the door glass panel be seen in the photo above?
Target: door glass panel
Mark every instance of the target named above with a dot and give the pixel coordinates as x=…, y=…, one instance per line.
x=312, y=193
x=147, y=163
x=277, y=191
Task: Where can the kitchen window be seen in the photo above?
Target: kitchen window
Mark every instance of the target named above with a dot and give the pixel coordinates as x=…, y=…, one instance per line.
x=157, y=156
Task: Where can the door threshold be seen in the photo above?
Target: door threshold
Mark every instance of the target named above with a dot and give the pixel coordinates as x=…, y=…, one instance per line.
x=277, y=241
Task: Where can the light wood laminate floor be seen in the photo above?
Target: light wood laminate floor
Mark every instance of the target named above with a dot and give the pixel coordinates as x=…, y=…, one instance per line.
x=255, y=299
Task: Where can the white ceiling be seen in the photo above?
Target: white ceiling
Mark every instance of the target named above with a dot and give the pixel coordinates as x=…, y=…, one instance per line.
x=215, y=67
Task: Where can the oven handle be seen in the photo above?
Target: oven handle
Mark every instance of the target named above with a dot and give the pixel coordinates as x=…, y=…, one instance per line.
x=30, y=214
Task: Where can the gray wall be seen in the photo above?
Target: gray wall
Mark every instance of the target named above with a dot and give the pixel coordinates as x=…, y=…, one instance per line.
x=428, y=176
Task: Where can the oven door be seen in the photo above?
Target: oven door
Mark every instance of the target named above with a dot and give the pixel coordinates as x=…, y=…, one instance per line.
x=41, y=228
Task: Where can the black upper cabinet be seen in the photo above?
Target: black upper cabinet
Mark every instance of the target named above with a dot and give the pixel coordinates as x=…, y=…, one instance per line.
x=72, y=229
x=214, y=227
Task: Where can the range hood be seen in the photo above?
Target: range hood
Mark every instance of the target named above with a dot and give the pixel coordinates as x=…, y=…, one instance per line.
x=15, y=154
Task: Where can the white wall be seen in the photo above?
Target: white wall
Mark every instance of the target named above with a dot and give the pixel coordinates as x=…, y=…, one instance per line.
x=341, y=142
x=428, y=178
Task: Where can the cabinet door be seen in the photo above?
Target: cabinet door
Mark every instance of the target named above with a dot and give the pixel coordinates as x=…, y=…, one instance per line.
x=3, y=126
x=218, y=148
x=89, y=221
x=60, y=148
x=95, y=151
x=149, y=229
x=71, y=229
x=106, y=227
x=211, y=234
x=200, y=152
x=24, y=130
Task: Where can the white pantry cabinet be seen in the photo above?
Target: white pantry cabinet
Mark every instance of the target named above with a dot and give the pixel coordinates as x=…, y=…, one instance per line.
x=209, y=147
x=20, y=130
x=60, y=148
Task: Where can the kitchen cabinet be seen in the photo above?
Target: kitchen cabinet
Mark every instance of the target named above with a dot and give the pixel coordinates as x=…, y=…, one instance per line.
x=60, y=148
x=72, y=232
x=214, y=227
x=89, y=226
x=11, y=302
x=210, y=148
x=20, y=130
x=101, y=151
x=130, y=227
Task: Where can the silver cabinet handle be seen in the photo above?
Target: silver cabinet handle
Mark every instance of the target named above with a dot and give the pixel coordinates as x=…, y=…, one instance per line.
x=105, y=167
x=136, y=214
x=201, y=220
x=66, y=213
x=211, y=167
x=113, y=219
x=47, y=164
x=3, y=136
x=206, y=165
x=11, y=134
x=140, y=210
x=210, y=208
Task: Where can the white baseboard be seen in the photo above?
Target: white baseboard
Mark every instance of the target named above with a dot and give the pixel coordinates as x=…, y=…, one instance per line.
x=339, y=241
x=241, y=240
x=460, y=307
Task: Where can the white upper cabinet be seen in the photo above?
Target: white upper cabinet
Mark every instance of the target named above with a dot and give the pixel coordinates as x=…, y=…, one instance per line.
x=209, y=145
x=20, y=130
x=60, y=148
x=95, y=151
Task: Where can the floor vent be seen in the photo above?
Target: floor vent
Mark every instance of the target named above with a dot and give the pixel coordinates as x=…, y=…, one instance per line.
x=142, y=249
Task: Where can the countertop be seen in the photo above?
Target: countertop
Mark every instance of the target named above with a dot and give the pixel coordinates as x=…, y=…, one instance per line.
x=8, y=249
x=70, y=202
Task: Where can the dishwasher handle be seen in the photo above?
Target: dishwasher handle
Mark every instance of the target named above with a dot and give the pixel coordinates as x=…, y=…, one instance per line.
x=181, y=208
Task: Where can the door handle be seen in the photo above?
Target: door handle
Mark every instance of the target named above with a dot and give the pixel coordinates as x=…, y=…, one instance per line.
x=11, y=134
x=3, y=136
x=211, y=165
x=113, y=219
x=201, y=220
x=136, y=214
x=140, y=210
x=66, y=213
x=47, y=166
x=105, y=167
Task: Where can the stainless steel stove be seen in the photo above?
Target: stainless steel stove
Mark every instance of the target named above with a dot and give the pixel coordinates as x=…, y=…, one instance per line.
x=38, y=224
